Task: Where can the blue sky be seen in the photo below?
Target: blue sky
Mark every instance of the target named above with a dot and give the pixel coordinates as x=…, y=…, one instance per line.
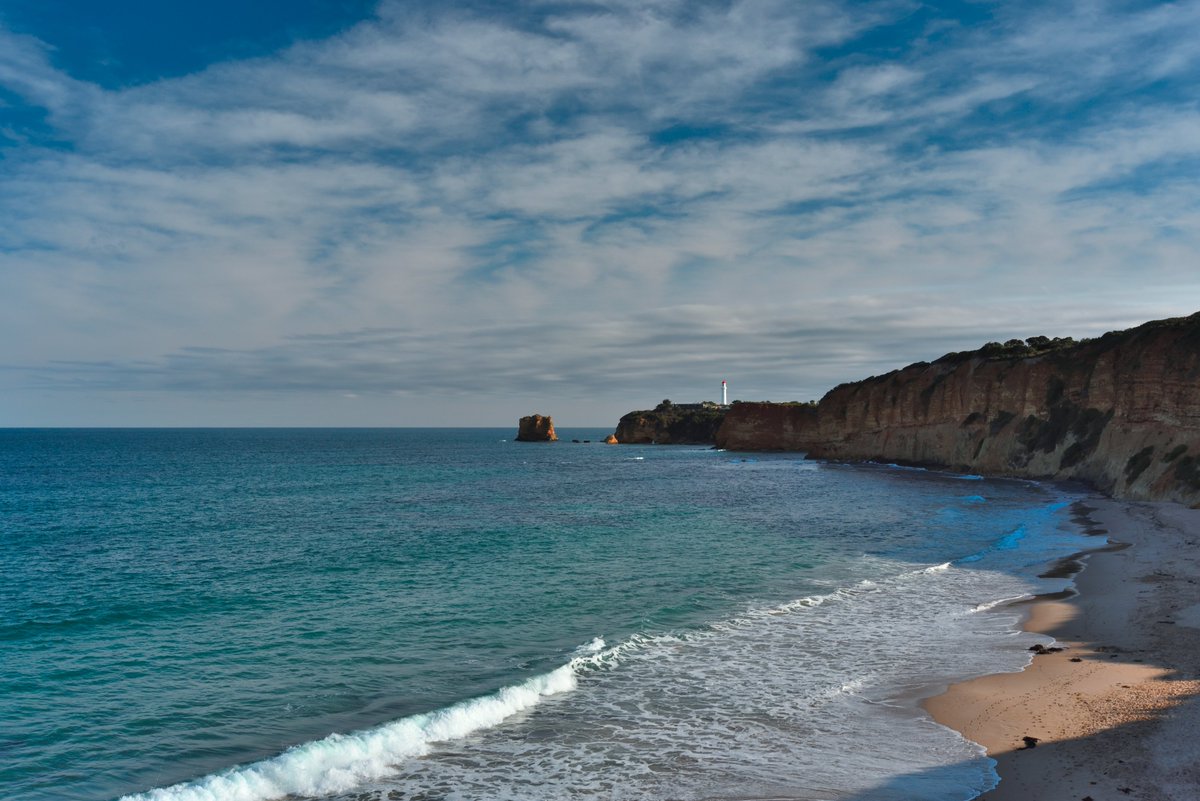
x=332, y=212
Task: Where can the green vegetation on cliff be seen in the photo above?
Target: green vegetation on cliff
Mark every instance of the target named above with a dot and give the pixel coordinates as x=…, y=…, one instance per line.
x=672, y=424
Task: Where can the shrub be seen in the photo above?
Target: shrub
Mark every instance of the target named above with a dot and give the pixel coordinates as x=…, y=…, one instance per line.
x=1138, y=463
x=1175, y=453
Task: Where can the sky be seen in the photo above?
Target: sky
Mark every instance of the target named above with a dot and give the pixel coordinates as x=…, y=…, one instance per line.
x=352, y=213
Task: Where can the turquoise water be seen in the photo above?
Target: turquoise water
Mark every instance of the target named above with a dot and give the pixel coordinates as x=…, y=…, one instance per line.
x=470, y=617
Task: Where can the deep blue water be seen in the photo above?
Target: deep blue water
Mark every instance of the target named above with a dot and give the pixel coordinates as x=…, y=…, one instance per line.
x=633, y=621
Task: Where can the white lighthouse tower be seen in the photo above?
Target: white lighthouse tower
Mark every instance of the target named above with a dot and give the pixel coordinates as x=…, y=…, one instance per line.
x=724, y=393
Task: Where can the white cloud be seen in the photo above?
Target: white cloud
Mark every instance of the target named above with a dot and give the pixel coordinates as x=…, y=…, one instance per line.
x=449, y=178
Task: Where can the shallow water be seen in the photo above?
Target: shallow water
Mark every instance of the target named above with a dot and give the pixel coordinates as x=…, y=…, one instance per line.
x=449, y=614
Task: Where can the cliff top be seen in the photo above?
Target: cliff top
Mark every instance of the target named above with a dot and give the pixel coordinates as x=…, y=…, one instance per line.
x=1037, y=346
x=668, y=409
x=1040, y=345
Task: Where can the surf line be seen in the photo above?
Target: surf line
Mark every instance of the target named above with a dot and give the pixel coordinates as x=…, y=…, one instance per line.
x=341, y=762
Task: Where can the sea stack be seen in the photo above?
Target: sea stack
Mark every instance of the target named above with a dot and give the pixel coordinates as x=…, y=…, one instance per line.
x=536, y=428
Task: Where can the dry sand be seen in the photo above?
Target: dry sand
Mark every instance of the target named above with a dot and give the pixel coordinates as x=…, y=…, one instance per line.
x=1117, y=711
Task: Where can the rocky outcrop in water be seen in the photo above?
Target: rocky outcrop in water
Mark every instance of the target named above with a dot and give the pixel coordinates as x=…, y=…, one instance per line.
x=1120, y=412
x=672, y=424
x=536, y=428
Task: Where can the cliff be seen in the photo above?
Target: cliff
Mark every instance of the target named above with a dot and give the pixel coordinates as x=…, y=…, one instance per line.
x=768, y=427
x=536, y=428
x=1120, y=412
x=672, y=424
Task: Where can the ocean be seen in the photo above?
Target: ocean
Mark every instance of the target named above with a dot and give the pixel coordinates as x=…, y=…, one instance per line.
x=429, y=614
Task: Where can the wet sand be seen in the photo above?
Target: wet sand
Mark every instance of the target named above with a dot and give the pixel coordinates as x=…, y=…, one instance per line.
x=1116, y=713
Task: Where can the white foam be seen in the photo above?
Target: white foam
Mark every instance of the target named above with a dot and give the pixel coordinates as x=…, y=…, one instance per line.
x=895, y=466
x=671, y=715
x=983, y=607
x=341, y=762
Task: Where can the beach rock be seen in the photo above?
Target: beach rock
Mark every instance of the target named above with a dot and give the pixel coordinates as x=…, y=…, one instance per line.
x=1120, y=412
x=1030, y=742
x=536, y=428
x=611, y=439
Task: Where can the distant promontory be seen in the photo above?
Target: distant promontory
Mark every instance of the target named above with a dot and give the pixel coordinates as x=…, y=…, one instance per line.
x=672, y=424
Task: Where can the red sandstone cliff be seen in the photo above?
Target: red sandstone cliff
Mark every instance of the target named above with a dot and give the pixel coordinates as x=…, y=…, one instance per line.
x=1121, y=412
x=768, y=427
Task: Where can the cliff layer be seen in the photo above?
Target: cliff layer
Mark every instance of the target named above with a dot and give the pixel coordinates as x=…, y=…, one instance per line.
x=672, y=424
x=1121, y=412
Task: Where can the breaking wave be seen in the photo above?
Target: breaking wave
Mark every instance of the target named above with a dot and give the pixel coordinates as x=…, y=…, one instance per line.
x=712, y=659
x=341, y=762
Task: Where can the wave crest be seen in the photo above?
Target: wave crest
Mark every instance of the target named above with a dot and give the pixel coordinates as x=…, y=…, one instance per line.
x=341, y=762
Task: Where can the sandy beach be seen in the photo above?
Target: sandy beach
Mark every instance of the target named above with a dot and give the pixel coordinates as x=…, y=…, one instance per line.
x=1116, y=712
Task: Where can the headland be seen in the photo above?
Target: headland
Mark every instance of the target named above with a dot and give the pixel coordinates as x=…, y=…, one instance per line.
x=671, y=424
x=1120, y=412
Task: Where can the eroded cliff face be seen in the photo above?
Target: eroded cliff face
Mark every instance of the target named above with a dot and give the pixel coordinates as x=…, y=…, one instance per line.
x=768, y=427
x=1121, y=412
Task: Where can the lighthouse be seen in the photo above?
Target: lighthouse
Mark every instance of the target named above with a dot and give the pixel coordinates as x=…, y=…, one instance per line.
x=724, y=394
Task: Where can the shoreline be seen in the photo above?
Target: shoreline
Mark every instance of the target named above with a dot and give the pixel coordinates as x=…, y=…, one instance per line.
x=1116, y=710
